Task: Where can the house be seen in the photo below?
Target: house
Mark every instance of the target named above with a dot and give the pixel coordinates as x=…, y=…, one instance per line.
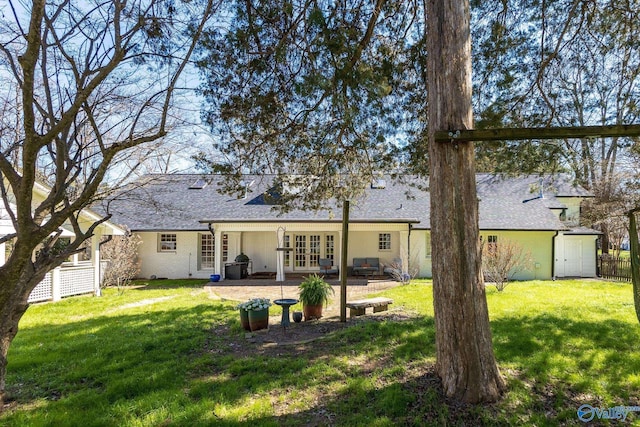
x=189, y=229
x=82, y=272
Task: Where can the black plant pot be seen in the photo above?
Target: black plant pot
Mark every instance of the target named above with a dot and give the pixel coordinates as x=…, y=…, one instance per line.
x=297, y=316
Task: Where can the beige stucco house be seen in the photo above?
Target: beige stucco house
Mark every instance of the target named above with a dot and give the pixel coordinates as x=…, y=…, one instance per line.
x=189, y=229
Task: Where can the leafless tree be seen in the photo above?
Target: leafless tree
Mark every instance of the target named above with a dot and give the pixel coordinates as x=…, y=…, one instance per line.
x=501, y=261
x=123, y=264
x=85, y=83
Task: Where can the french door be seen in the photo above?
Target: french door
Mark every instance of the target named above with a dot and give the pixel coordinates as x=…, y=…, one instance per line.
x=309, y=248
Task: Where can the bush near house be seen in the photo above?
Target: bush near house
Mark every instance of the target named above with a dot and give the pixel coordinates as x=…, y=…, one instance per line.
x=121, y=253
x=502, y=261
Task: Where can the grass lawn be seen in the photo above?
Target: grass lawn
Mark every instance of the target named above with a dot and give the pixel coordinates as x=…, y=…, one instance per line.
x=167, y=354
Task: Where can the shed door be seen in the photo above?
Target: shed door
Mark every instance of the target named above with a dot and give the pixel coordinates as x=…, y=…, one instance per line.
x=573, y=257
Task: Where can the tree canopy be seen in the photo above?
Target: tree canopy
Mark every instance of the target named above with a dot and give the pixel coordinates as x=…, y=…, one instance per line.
x=556, y=63
x=341, y=86
x=336, y=84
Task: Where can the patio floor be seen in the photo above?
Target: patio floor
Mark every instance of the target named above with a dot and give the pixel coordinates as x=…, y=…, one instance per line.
x=244, y=289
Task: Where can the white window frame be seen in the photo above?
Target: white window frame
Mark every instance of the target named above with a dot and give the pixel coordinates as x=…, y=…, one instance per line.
x=287, y=254
x=167, y=242
x=492, y=242
x=212, y=250
x=384, y=242
x=206, y=251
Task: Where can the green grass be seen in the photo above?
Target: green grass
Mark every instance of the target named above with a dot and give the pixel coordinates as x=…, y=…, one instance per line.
x=167, y=354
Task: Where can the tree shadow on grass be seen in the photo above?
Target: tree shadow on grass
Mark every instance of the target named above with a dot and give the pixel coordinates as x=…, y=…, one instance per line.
x=549, y=344
x=562, y=362
x=181, y=367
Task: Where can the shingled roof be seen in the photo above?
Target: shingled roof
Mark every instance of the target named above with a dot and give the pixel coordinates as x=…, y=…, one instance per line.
x=188, y=201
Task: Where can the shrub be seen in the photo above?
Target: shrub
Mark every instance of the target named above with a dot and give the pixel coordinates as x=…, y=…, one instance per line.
x=121, y=252
x=502, y=261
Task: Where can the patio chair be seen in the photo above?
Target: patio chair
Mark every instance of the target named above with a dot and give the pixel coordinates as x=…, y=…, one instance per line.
x=326, y=267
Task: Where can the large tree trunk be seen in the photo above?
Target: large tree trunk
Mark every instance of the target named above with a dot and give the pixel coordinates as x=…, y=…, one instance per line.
x=464, y=351
x=9, y=318
x=635, y=260
x=14, y=292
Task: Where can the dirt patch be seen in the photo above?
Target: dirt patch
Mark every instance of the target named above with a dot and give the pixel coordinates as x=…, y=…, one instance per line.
x=277, y=340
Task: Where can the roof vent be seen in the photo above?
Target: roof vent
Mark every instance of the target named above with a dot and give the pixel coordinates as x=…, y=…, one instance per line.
x=379, y=183
x=199, y=184
x=246, y=187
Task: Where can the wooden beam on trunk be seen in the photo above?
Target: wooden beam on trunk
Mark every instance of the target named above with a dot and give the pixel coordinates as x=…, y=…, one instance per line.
x=518, y=134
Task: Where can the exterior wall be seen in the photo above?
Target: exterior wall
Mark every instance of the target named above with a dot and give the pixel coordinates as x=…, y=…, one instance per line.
x=575, y=255
x=539, y=243
x=179, y=264
x=364, y=242
x=260, y=247
x=421, y=253
x=259, y=242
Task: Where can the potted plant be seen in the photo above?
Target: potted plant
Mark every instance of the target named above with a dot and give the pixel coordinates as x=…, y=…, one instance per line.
x=314, y=293
x=254, y=314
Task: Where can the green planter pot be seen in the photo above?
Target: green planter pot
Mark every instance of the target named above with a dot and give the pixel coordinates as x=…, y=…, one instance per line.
x=244, y=319
x=258, y=319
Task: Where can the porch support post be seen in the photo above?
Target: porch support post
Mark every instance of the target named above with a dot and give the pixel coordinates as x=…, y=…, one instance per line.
x=339, y=255
x=56, y=294
x=95, y=260
x=343, y=261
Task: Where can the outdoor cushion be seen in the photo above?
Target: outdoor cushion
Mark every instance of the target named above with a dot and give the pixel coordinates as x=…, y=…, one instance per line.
x=357, y=262
x=373, y=262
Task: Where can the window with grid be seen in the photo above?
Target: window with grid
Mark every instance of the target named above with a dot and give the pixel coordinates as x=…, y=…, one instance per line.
x=207, y=251
x=167, y=242
x=314, y=250
x=492, y=241
x=384, y=241
x=329, y=247
x=301, y=247
x=225, y=248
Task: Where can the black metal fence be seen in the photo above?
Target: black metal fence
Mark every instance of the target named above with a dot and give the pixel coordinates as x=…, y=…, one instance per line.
x=614, y=268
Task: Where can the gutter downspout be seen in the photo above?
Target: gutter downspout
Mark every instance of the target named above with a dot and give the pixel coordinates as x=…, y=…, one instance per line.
x=553, y=255
x=215, y=258
x=409, y=245
x=409, y=251
x=598, y=272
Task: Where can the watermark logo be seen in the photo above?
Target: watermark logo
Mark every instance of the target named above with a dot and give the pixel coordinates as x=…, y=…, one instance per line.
x=587, y=413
